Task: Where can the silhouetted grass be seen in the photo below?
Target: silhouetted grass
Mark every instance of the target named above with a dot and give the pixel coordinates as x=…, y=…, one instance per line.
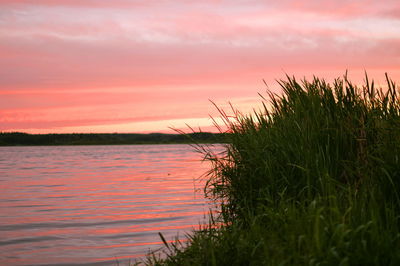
x=313, y=179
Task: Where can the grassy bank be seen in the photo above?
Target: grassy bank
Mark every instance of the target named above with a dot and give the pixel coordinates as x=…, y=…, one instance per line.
x=313, y=179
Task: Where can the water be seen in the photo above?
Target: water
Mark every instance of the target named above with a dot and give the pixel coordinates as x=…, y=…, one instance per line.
x=96, y=204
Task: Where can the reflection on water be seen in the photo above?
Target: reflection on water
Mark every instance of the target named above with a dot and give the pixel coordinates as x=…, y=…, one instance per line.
x=95, y=204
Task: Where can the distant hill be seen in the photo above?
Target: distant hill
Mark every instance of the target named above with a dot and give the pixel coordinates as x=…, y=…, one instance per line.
x=24, y=139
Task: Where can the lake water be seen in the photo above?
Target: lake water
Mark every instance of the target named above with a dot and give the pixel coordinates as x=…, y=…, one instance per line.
x=99, y=205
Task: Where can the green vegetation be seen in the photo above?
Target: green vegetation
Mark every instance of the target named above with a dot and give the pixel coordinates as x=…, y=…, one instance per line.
x=313, y=179
x=24, y=139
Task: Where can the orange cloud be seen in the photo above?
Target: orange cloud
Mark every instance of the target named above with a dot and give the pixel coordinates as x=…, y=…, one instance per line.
x=85, y=63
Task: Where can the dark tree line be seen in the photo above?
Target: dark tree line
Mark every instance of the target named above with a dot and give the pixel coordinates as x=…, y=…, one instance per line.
x=22, y=139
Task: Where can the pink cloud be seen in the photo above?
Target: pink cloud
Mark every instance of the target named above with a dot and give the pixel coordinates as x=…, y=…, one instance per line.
x=53, y=62
x=66, y=63
x=77, y=3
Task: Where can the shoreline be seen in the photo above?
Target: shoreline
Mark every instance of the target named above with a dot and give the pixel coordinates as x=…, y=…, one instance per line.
x=80, y=139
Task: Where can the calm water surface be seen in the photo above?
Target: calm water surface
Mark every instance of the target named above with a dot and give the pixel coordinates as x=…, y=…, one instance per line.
x=96, y=204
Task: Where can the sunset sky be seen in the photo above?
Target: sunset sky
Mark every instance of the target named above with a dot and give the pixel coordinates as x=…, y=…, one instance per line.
x=146, y=65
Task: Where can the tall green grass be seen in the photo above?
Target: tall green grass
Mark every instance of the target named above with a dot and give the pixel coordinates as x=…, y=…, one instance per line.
x=312, y=179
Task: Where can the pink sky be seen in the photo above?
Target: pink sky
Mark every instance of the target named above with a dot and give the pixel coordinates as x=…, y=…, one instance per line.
x=146, y=65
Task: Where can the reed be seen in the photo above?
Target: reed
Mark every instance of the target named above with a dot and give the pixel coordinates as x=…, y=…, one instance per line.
x=312, y=179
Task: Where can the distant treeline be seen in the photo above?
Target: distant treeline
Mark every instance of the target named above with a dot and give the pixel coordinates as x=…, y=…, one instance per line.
x=24, y=139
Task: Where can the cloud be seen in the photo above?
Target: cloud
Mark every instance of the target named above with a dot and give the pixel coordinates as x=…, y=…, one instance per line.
x=53, y=62
x=62, y=59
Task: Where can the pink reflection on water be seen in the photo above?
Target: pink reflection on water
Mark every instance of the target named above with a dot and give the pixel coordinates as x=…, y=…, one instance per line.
x=83, y=204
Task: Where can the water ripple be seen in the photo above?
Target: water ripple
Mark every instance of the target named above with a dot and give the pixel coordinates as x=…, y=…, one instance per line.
x=96, y=205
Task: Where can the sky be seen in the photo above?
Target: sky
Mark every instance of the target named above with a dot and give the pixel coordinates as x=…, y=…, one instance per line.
x=88, y=66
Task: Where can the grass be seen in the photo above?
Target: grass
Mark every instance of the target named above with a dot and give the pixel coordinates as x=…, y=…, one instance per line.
x=312, y=179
